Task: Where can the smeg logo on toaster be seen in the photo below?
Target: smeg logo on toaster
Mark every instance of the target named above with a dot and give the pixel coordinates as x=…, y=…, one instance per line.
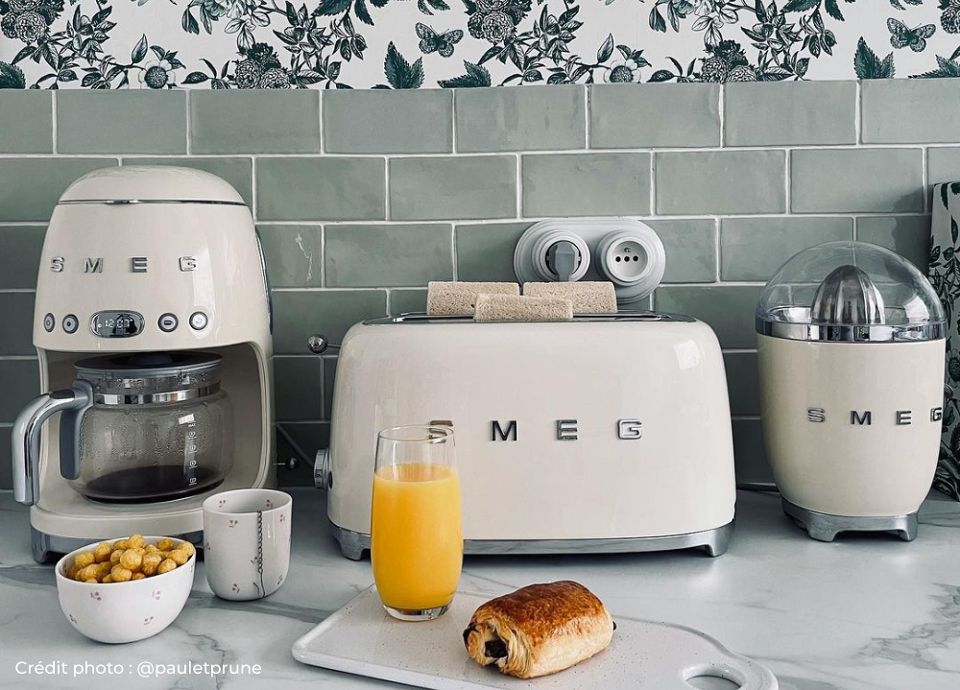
x=566, y=430
x=137, y=264
x=818, y=415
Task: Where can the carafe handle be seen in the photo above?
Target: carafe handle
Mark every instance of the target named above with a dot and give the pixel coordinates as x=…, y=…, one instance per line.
x=26, y=437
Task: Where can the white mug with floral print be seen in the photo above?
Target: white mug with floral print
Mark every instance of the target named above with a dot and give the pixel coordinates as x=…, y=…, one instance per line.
x=246, y=542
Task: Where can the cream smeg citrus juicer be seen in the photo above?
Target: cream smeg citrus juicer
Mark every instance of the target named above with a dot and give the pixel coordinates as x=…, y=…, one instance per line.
x=851, y=351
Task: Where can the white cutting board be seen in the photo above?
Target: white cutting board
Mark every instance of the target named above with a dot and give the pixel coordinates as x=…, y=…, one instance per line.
x=362, y=639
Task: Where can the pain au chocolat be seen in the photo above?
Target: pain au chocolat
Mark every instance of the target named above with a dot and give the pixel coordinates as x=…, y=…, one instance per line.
x=539, y=629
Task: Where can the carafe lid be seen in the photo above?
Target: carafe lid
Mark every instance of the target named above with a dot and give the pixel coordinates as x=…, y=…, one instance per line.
x=140, y=373
x=850, y=292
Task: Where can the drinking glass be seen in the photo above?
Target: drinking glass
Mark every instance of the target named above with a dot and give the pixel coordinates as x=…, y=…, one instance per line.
x=416, y=539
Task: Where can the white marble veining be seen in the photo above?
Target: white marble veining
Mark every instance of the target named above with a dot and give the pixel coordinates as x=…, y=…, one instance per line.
x=863, y=613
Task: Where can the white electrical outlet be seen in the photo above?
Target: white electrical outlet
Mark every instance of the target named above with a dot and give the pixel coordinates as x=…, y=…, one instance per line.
x=624, y=251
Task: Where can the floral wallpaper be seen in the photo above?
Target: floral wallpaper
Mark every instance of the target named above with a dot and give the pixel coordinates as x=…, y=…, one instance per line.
x=157, y=44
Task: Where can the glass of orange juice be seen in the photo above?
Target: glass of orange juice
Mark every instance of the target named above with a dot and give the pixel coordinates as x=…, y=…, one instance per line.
x=416, y=540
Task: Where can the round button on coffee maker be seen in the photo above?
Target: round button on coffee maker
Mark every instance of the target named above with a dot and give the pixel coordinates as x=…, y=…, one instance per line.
x=49, y=323
x=167, y=322
x=198, y=321
x=70, y=323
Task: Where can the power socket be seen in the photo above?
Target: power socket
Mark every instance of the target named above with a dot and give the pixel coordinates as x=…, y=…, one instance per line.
x=624, y=251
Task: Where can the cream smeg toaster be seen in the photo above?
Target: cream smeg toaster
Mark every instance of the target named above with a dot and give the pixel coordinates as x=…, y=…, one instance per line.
x=608, y=433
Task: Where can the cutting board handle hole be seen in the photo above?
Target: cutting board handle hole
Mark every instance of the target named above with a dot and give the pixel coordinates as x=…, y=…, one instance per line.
x=712, y=678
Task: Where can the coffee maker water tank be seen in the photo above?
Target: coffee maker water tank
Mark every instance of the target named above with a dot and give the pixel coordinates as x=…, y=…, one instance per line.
x=851, y=354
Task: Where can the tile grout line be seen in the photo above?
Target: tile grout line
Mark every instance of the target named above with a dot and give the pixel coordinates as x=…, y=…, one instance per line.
x=187, y=128
x=587, y=104
x=505, y=153
x=717, y=225
x=787, y=196
x=858, y=112
x=321, y=130
x=453, y=121
x=323, y=255
x=721, y=116
x=518, y=188
x=653, y=184
x=453, y=251
x=254, y=211
x=54, y=130
x=386, y=189
x=924, y=179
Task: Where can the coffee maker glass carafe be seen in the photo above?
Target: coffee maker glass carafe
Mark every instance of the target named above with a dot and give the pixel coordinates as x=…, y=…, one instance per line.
x=145, y=427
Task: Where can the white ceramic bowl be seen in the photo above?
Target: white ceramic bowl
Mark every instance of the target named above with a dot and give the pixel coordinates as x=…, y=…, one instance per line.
x=118, y=612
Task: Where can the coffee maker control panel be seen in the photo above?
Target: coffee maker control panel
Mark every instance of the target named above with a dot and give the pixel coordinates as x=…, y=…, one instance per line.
x=116, y=324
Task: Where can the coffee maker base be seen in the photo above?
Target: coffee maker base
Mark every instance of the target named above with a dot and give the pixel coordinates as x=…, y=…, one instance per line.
x=47, y=548
x=826, y=527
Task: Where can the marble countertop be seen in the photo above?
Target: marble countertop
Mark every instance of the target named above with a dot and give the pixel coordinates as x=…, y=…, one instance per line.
x=863, y=613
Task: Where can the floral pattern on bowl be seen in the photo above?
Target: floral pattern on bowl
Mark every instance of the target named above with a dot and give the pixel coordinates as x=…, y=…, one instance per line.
x=124, y=611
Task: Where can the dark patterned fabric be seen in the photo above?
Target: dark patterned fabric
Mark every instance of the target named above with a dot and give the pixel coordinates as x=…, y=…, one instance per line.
x=945, y=276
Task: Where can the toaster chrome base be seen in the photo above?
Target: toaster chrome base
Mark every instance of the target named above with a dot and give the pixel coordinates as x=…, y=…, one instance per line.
x=49, y=547
x=713, y=541
x=825, y=527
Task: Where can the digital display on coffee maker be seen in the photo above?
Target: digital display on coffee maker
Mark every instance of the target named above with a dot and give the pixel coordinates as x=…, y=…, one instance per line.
x=116, y=324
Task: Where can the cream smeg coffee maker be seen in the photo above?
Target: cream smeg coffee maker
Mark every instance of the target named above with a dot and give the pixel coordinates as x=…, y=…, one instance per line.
x=152, y=329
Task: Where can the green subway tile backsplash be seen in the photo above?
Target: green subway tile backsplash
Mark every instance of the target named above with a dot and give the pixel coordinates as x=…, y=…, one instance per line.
x=754, y=248
x=30, y=187
x=16, y=336
x=20, y=255
x=257, y=121
x=293, y=254
x=521, y=119
x=586, y=184
x=321, y=189
x=26, y=121
x=485, y=250
x=134, y=121
x=362, y=197
x=21, y=383
x=385, y=121
x=238, y=171
x=297, y=315
x=386, y=255
x=298, y=386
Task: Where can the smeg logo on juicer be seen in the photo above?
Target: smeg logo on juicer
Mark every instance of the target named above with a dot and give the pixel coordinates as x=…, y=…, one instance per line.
x=567, y=430
x=818, y=415
x=137, y=264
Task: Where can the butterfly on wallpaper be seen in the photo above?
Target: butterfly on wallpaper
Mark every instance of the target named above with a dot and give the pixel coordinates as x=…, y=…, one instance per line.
x=443, y=43
x=901, y=36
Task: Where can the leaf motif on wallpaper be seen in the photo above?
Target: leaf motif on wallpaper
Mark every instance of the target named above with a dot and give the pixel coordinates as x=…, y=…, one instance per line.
x=11, y=77
x=400, y=73
x=868, y=65
x=476, y=75
x=139, y=51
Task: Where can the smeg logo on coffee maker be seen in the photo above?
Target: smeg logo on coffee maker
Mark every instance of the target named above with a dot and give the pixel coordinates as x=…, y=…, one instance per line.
x=137, y=264
x=566, y=430
x=818, y=415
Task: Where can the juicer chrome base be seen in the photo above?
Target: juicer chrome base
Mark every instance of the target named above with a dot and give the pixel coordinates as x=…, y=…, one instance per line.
x=713, y=541
x=826, y=527
x=49, y=547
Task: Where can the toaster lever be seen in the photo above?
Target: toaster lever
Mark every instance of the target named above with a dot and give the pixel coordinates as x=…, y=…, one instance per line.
x=318, y=344
x=322, y=477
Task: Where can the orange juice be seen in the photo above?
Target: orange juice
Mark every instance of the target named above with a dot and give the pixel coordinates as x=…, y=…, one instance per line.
x=416, y=542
